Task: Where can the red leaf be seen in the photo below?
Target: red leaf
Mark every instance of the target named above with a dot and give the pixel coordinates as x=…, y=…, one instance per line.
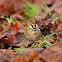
x=13, y=31
x=15, y=28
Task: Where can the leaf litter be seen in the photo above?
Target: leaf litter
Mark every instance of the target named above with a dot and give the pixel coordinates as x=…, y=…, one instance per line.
x=17, y=14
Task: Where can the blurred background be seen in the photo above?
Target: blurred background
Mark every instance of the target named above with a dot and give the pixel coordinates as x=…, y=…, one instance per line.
x=20, y=9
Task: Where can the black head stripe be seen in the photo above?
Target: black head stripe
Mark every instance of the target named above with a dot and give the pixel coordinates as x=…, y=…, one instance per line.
x=33, y=26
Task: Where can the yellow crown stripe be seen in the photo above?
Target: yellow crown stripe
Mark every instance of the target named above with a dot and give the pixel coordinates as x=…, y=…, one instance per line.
x=33, y=25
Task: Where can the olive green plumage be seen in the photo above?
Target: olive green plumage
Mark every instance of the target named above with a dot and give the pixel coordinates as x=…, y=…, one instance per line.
x=32, y=32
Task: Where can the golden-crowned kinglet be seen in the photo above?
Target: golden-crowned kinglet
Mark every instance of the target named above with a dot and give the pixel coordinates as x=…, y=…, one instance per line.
x=32, y=31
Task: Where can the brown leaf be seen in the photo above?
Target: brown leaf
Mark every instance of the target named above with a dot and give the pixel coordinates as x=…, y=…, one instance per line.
x=17, y=5
x=52, y=54
x=60, y=28
x=2, y=2
x=58, y=10
x=33, y=56
x=7, y=55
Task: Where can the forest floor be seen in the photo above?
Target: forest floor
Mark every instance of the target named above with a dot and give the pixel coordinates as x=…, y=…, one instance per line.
x=15, y=15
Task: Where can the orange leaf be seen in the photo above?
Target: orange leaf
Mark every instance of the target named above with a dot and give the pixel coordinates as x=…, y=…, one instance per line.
x=24, y=58
x=18, y=59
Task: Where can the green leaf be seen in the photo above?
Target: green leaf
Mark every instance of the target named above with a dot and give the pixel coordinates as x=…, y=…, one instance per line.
x=9, y=20
x=60, y=32
x=55, y=19
x=31, y=10
x=21, y=24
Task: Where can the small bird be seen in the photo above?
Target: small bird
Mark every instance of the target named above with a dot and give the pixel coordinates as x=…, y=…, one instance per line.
x=32, y=32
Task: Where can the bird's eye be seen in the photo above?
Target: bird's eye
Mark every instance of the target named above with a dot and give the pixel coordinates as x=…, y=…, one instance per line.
x=34, y=26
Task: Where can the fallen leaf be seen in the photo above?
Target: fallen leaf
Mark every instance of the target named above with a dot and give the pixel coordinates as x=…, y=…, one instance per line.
x=52, y=54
